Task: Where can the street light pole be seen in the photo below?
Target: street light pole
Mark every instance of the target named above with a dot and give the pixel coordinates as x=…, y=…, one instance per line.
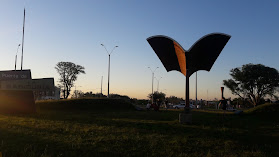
x=152, y=80
x=108, y=74
x=22, y=39
x=16, y=56
x=102, y=86
x=108, y=64
x=158, y=81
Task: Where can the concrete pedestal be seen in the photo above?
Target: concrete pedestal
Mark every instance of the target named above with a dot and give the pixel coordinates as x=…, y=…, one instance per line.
x=185, y=118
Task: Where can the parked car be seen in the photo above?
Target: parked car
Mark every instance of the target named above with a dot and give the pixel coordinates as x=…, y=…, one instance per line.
x=178, y=106
x=182, y=106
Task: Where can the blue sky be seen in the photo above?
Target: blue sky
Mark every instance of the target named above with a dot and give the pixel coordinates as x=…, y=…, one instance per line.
x=68, y=30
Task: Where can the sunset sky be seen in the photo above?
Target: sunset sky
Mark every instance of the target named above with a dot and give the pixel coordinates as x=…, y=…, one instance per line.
x=73, y=31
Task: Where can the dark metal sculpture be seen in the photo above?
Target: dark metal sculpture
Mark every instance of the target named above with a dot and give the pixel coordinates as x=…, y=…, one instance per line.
x=201, y=56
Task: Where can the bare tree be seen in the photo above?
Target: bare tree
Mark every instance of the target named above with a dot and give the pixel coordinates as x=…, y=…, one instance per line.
x=68, y=72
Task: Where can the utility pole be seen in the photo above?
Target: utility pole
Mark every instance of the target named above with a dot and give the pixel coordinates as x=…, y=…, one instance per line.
x=158, y=81
x=207, y=94
x=152, y=71
x=102, y=86
x=16, y=56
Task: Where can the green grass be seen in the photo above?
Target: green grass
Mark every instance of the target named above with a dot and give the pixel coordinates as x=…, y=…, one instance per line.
x=265, y=109
x=104, y=127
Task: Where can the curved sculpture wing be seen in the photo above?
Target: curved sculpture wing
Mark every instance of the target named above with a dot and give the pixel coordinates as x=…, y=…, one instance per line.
x=171, y=54
x=201, y=56
x=205, y=51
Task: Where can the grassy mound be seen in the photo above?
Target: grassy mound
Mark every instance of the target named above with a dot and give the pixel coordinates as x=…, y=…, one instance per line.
x=132, y=133
x=87, y=104
x=265, y=108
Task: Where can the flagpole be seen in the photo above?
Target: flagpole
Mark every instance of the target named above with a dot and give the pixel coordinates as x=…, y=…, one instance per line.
x=22, y=45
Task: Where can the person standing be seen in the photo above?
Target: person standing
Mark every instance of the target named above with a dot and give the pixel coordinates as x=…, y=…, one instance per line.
x=159, y=102
x=167, y=104
x=148, y=105
x=223, y=104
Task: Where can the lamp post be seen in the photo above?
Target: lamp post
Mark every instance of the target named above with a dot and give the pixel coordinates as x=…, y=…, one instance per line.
x=152, y=71
x=16, y=56
x=109, y=63
x=158, y=81
x=102, y=86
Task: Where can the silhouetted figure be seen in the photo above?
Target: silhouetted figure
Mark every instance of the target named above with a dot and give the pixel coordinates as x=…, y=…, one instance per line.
x=202, y=105
x=148, y=106
x=159, y=102
x=155, y=107
x=167, y=104
x=223, y=103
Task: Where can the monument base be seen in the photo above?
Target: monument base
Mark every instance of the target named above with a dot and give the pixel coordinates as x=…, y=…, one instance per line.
x=185, y=118
x=17, y=101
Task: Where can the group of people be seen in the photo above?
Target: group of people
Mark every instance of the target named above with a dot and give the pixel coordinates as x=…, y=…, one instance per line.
x=158, y=103
x=155, y=105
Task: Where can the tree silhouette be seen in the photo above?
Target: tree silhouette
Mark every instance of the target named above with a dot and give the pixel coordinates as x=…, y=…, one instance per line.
x=253, y=81
x=68, y=72
x=157, y=95
x=174, y=99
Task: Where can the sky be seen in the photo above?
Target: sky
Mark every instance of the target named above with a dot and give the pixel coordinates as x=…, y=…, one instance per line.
x=73, y=31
